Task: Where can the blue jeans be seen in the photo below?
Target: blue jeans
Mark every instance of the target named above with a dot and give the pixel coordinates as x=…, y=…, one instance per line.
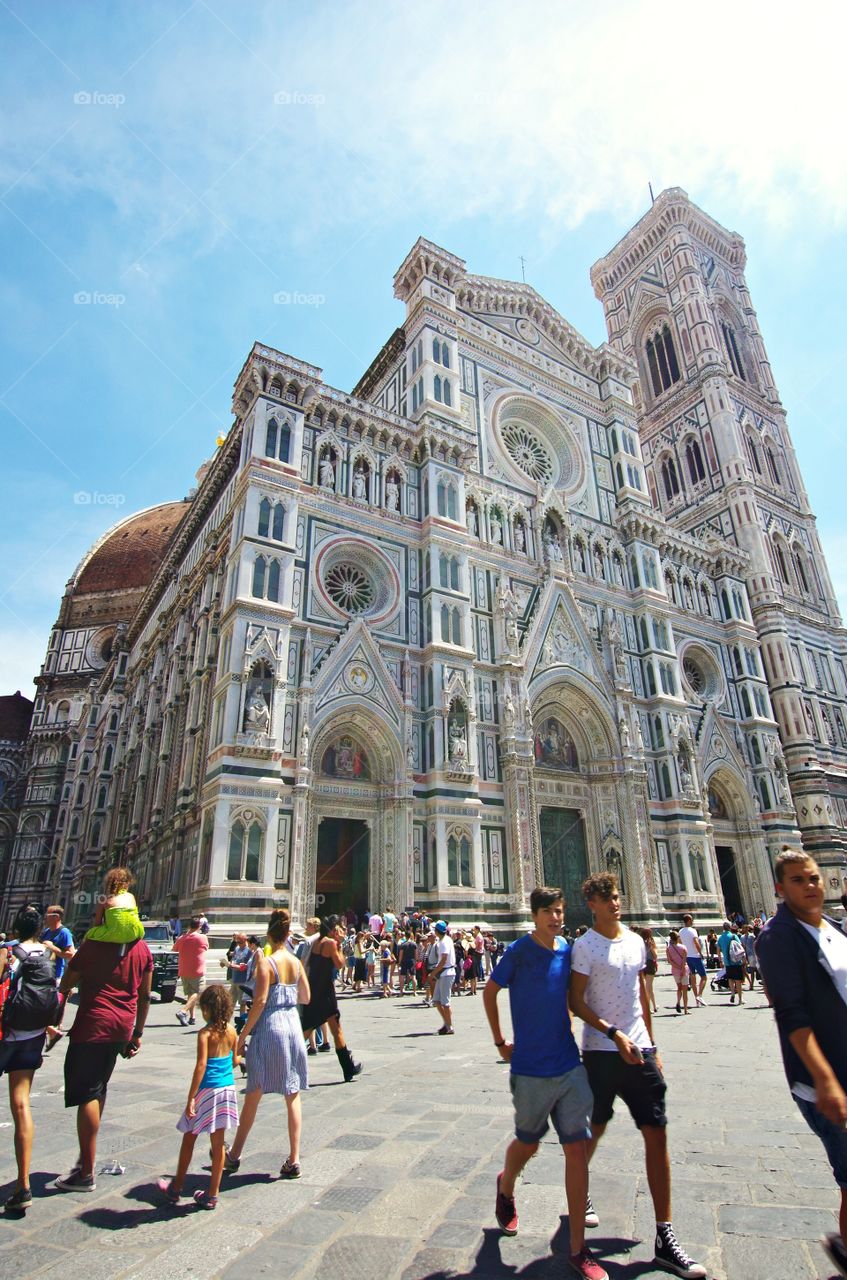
x=833, y=1137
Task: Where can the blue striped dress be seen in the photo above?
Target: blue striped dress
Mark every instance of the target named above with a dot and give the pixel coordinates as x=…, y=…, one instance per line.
x=276, y=1058
x=216, y=1102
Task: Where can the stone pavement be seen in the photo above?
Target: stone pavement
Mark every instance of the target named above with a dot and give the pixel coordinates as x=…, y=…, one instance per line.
x=399, y=1167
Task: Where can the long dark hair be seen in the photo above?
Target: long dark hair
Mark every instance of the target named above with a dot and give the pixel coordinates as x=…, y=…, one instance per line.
x=329, y=924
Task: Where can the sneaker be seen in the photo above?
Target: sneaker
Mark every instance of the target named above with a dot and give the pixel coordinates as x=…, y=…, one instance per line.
x=19, y=1202
x=167, y=1189
x=445, y=1031
x=325, y=1048
x=290, y=1170
x=834, y=1246
x=231, y=1163
x=204, y=1201
x=592, y=1218
x=671, y=1256
x=192, y=1022
x=182, y=1018
x=732, y=999
x=427, y=1003
x=701, y=1004
x=75, y=1181
x=587, y=1266
x=505, y=1211
x=311, y=1052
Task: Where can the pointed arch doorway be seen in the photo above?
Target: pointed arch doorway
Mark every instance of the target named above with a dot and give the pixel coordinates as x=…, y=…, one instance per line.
x=565, y=860
x=342, y=868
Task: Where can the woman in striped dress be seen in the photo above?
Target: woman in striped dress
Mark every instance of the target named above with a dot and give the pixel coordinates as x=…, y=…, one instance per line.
x=212, y=1105
x=276, y=1061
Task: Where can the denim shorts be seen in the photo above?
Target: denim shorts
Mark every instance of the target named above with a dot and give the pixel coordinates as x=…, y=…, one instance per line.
x=566, y=1100
x=22, y=1055
x=833, y=1137
x=443, y=988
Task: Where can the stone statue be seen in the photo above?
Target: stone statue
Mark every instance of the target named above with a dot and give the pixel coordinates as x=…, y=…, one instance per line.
x=327, y=472
x=520, y=537
x=614, y=639
x=410, y=755
x=257, y=716
x=508, y=710
x=552, y=546
x=639, y=736
x=360, y=488
x=458, y=744
x=471, y=521
x=495, y=529
x=304, y=744
x=392, y=494
x=623, y=730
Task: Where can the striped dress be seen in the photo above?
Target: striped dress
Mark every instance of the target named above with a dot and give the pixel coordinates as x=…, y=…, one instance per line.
x=216, y=1102
x=276, y=1058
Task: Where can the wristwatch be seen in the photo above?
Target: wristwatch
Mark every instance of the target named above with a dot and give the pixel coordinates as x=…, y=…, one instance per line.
x=611, y=1032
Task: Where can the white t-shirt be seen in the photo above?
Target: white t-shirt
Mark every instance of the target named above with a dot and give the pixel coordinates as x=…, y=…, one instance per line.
x=446, y=948
x=612, y=966
x=833, y=945
x=686, y=937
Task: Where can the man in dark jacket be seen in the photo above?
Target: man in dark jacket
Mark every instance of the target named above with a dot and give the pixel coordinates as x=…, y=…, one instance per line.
x=803, y=961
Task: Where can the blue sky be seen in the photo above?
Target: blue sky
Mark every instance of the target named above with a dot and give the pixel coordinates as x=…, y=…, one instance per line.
x=179, y=164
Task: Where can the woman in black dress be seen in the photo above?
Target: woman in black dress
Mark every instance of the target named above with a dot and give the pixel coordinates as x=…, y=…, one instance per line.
x=325, y=959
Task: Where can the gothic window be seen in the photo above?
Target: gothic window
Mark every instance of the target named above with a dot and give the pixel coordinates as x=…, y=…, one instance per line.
x=459, y=859
x=107, y=758
x=727, y=613
x=736, y=658
x=284, y=442
x=755, y=749
x=670, y=479
x=447, y=499
x=667, y=678
x=732, y=351
x=745, y=704
x=101, y=798
x=650, y=578
x=259, y=573
x=753, y=453
x=694, y=459
x=273, y=580
x=448, y=394
x=420, y=351
x=662, y=361
x=765, y=793
x=113, y=722
x=445, y=357
x=710, y=451
x=665, y=782
x=780, y=562
x=658, y=733
x=414, y=361
x=436, y=351
x=651, y=679
x=633, y=569
x=772, y=465
x=245, y=846
x=801, y=572
x=270, y=439
x=436, y=388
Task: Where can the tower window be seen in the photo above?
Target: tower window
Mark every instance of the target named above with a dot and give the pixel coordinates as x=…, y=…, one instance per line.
x=694, y=459
x=670, y=479
x=772, y=467
x=662, y=361
x=732, y=351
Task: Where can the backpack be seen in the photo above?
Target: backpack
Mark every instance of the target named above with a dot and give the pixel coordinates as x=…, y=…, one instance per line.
x=32, y=1003
x=737, y=954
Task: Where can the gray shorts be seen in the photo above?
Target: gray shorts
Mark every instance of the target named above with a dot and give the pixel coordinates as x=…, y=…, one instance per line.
x=192, y=986
x=566, y=1100
x=443, y=988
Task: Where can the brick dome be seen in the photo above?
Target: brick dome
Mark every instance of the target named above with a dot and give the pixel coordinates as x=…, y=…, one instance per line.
x=131, y=552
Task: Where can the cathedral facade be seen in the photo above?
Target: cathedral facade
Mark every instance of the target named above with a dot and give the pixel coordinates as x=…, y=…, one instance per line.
x=515, y=609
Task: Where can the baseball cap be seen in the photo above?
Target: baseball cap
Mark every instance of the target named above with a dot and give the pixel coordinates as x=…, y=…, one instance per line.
x=440, y=926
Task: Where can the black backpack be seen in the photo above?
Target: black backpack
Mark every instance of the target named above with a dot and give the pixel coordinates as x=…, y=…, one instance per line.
x=33, y=1001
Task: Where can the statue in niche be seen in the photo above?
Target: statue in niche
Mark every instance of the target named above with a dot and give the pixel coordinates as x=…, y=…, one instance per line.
x=495, y=529
x=327, y=472
x=508, y=710
x=257, y=715
x=639, y=735
x=458, y=743
x=360, y=486
x=615, y=642
x=392, y=494
x=471, y=520
x=520, y=537
x=552, y=545
x=617, y=570
x=623, y=730
x=410, y=754
x=304, y=743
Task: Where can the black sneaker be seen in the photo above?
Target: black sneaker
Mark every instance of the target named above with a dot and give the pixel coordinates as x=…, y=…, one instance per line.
x=833, y=1244
x=592, y=1218
x=19, y=1202
x=75, y=1181
x=671, y=1256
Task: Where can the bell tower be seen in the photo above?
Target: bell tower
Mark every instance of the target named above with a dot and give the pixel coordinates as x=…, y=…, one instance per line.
x=721, y=463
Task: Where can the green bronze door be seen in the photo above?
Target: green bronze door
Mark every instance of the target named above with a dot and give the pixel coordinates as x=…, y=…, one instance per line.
x=565, y=861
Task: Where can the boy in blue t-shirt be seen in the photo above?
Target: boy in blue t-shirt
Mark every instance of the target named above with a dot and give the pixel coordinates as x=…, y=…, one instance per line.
x=548, y=1081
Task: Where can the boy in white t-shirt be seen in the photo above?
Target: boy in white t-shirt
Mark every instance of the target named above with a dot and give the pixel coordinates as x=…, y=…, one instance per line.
x=690, y=939
x=608, y=993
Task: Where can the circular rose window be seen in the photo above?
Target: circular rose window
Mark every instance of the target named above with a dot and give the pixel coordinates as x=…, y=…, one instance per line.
x=355, y=579
x=702, y=674
x=539, y=442
x=527, y=452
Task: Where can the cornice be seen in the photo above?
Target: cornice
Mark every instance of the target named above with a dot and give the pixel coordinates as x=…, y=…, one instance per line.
x=672, y=208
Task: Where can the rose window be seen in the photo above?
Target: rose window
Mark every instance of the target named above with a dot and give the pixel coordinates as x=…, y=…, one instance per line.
x=702, y=674
x=349, y=587
x=527, y=452
x=693, y=674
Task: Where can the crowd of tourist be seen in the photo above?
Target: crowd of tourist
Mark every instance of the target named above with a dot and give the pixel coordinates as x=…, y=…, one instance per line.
x=279, y=1004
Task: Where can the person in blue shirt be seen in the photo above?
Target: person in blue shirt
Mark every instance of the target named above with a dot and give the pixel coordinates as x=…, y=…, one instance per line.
x=57, y=939
x=548, y=1081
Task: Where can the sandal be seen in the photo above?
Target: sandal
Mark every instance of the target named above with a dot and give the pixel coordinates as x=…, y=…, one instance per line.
x=204, y=1201
x=166, y=1187
x=289, y=1170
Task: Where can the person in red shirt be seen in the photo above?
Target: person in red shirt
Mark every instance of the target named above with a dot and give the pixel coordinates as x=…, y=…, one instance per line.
x=191, y=948
x=114, y=983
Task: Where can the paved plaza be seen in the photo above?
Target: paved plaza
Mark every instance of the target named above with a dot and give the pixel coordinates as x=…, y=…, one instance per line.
x=399, y=1167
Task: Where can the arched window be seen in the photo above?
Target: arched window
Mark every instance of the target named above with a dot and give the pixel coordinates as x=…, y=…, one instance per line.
x=95, y=835
x=753, y=453
x=662, y=361
x=727, y=612
x=694, y=459
x=264, y=517
x=259, y=570
x=107, y=758
x=732, y=351
x=436, y=388
x=736, y=658
x=448, y=394
x=755, y=749
x=101, y=798
x=436, y=351
x=270, y=439
x=284, y=442
x=245, y=848
x=670, y=479
x=445, y=357
x=445, y=624
x=278, y=521
x=113, y=722
x=780, y=562
x=745, y=704
x=457, y=627
x=273, y=580
x=772, y=465
x=658, y=733
x=801, y=572
x=765, y=793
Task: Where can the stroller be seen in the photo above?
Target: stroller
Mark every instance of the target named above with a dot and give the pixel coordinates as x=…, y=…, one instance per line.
x=720, y=982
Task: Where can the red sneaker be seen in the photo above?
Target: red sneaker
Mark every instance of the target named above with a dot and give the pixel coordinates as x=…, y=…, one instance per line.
x=505, y=1212
x=586, y=1266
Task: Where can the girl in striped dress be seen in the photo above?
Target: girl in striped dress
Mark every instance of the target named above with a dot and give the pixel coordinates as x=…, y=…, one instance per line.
x=212, y=1105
